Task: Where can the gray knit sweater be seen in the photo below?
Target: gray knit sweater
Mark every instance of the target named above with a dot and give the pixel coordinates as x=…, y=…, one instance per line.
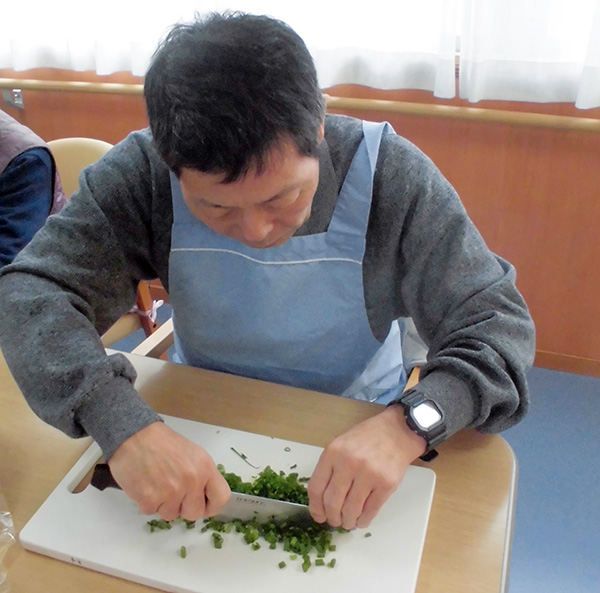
x=424, y=259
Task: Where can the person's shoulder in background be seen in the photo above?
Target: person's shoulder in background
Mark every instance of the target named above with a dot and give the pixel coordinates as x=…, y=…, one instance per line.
x=26, y=198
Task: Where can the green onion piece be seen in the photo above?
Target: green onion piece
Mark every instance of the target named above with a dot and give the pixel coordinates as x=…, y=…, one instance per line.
x=256, y=546
x=217, y=540
x=159, y=524
x=319, y=562
x=331, y=563
x=251, y=535
x=183, y=552
x=293, y=556
x=368, y=534
x=332, y=547
x=282, y=564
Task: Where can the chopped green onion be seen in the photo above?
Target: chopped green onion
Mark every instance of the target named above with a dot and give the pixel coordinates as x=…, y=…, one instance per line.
x=368, y=534
x=251, y=535
x=312, y=542
x=282, y=564
x=217, y=540
x=158, y=524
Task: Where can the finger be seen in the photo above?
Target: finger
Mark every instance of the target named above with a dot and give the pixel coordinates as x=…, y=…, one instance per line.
x=169, y=511
x=217, y=493
x=148, y=503
x=353, y=506
x=335, y=495
x=316, y=488
x=193, y=505
x=372, y=506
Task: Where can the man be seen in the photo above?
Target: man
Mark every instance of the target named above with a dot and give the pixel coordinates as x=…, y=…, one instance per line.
x=30, y=188
x=293, y=247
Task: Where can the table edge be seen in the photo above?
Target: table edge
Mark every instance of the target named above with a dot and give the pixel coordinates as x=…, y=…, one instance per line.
x=510, y=517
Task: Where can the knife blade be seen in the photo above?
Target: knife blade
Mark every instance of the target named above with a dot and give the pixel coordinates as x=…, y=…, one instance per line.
x=240, y=506
x=247, y=507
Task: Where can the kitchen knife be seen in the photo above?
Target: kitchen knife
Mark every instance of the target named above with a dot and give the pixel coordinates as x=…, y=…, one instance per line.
x=240, y=506
x=247, y=507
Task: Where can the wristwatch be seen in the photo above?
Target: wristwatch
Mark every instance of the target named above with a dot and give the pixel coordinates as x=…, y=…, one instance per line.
x=424, y=417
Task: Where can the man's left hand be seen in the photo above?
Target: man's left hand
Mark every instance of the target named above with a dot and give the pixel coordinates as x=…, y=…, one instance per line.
x=359, y=470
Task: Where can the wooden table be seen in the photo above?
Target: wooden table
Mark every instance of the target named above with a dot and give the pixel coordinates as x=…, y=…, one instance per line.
x=467, y=549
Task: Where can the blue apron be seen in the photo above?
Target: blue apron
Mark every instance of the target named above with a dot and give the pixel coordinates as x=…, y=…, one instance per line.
x=293, y=314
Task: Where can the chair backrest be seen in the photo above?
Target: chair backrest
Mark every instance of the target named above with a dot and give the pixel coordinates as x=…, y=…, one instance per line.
x=72, y=155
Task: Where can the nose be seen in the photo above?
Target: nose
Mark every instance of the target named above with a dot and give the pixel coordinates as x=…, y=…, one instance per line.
x=255, y=225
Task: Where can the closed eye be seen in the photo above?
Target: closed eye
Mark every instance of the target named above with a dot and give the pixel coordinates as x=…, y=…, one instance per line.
x=283, y=201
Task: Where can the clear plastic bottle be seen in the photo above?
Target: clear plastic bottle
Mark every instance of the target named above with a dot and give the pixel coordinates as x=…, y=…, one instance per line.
x=7, y=538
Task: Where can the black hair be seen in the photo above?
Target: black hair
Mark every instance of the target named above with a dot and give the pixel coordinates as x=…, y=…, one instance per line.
x=222, y=91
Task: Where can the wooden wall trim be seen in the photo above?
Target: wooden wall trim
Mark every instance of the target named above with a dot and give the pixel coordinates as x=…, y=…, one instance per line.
x=496, y=116
x=490, y=116
x=72, y=86
x=567, y=364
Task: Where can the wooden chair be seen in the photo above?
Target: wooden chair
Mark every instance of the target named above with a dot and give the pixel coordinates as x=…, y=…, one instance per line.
x=71, y=156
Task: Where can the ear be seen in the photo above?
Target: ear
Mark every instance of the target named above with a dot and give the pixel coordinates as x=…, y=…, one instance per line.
x=321, y=131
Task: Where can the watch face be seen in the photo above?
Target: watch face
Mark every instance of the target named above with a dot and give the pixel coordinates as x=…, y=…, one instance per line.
x=426, y=415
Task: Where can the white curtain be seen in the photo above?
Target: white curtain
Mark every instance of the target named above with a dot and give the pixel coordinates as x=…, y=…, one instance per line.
x=531, y=50
x=400, y=44
x=525, y=50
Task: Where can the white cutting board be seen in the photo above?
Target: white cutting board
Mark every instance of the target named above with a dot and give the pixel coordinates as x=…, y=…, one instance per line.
x=106, y=532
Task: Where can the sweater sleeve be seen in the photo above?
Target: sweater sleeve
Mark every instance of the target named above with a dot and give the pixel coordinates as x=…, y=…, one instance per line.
x=69, y=285
x=433, y=265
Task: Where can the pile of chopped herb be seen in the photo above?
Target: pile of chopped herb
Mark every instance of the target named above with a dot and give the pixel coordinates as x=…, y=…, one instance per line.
x=270, y=484
x=299, y=540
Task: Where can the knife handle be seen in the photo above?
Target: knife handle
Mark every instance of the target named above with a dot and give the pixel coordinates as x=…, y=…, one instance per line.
x=102, y=477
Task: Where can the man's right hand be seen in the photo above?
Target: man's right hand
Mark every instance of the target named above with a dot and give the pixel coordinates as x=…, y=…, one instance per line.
x=164, y=473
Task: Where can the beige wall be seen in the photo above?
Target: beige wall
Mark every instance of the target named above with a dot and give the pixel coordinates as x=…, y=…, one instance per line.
x=533, y=193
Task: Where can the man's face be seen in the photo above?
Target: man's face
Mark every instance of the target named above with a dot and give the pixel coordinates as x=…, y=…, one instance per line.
x=260, y=211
